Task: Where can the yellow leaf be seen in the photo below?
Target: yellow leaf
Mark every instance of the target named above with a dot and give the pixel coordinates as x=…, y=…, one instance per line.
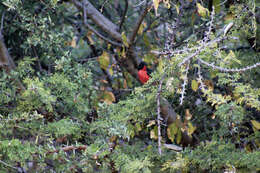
x=89, y=36
x=138, y=127
x=160, y=66
x=128, y=79
x=108, y=97
x=131, y=130
x=188, y=115
x=213, y=73
x=141, y=28
x=104, y=60
x=155, y=5
x=112, y=139
x=125, y=84
x=178, y=140
x=151, y=122
x=154, y=133
x=216, y=4
x=169, y=85
x=256, y=124
x=228, y=18
x=172, y=131
x=177, y=9
x=209, y=84
x=110, y=70
x=202, y=11
x=73, y=43
x=194, y=85
x=191, y=128
x=146, y=40
x=124, y=38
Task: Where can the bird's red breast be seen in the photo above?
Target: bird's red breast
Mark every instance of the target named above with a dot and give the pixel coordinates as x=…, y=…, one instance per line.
x=143, y=76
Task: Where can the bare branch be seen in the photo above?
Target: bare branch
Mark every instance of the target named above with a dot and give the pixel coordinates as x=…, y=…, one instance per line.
x=96, y=32
x=185, y=82
x=229, y=70
x=99, y=19
x=210, y=24
x=200, y=49
x=159, y=115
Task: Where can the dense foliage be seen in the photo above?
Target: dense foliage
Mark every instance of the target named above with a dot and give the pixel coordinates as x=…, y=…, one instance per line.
x=71, y=101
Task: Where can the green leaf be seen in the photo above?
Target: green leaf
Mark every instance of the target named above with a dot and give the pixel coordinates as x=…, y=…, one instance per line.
x=104, y=60
x=179, y=136
x=202, y=11
x=155, y=5
x=124, y=38
x=191, y=128
x=172, y=131
x=108, y=97
x=154, y=133
x=194, y=85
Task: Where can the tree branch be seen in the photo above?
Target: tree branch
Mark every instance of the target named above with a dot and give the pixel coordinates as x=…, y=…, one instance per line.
x=100, y=20
x=96, y=32
x=159, y=115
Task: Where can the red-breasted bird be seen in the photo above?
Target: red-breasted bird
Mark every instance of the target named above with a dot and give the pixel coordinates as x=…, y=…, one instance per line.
x=143, y=72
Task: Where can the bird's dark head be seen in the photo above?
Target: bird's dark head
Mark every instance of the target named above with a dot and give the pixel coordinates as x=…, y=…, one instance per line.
x=141, y=65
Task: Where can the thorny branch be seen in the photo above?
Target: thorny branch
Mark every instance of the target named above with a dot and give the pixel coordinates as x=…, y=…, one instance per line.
x=229, y=70
x=200, y=49
x=185, y=82
x=159, y=115
x=210, y=24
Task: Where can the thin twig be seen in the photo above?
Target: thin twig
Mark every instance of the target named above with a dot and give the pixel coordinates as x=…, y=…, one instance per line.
x=159, y=115
x=123, y=16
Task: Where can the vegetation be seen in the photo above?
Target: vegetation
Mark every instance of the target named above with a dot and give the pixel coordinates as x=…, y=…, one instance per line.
x=71, y=99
